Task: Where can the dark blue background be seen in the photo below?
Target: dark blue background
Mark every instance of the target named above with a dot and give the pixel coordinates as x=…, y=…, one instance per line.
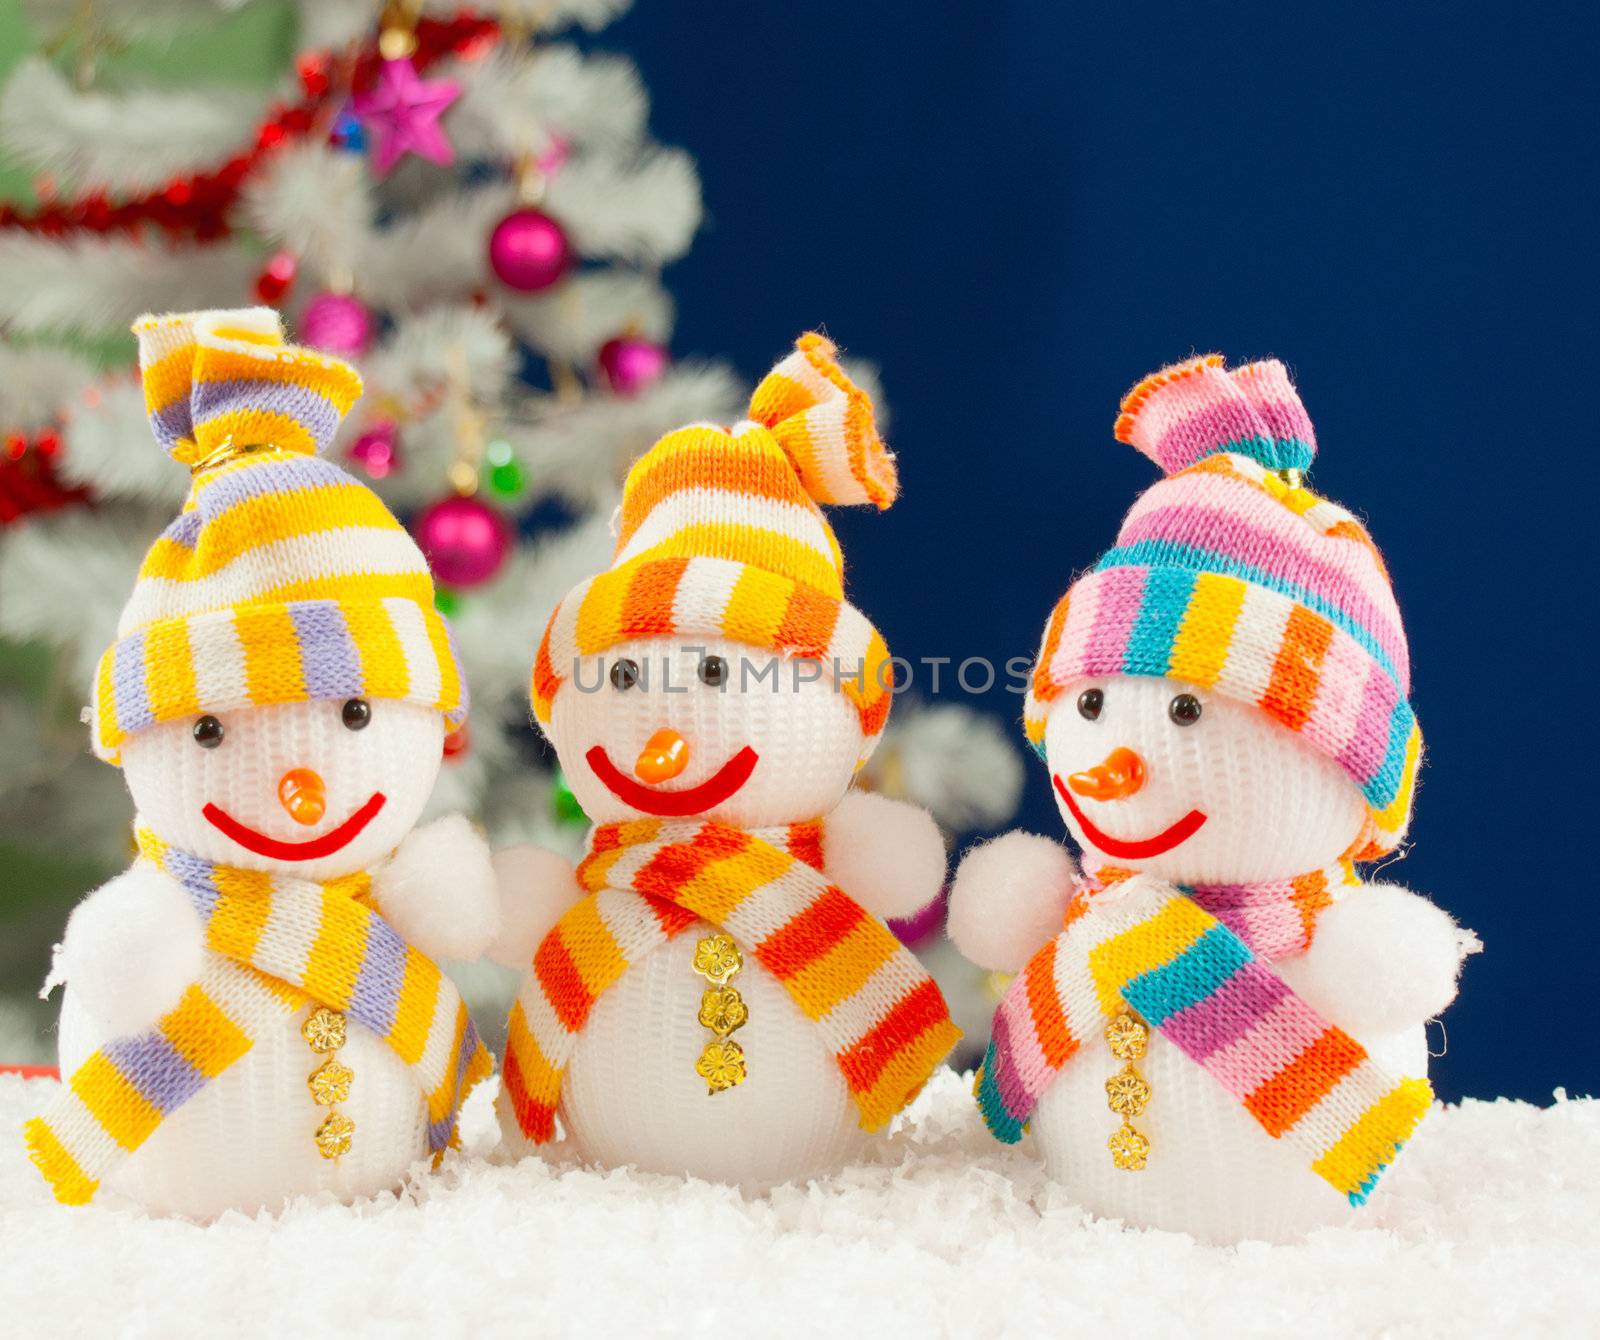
x=1018, y=210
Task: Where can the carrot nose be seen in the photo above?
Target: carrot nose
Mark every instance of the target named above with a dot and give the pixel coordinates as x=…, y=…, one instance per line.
x=303, y=794
x=664, y=756
x=1120, y=776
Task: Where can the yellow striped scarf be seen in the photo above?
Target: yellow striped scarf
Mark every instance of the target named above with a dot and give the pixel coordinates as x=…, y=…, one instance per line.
x=281, y=944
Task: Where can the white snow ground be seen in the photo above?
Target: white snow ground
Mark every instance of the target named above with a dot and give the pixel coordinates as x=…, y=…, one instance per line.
x=1490, y=1225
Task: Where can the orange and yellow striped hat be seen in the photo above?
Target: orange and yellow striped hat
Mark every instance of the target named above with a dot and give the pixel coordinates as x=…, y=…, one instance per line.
x=283, y=579
x=721, y=535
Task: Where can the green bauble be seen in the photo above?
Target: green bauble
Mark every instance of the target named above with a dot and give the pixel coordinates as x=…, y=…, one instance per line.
x=505, y=471
x=567, y=809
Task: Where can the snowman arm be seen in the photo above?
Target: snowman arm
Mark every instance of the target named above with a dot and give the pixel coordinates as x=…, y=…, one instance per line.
x=1383, y=959
x=1008, y=898
x=130, y=951
x=438, y=890
x=886, y=854
x=537, y=886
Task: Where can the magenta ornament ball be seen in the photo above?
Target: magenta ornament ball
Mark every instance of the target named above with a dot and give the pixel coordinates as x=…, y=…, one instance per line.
x=922, y=923
x=465, y=541
x=529, y=250
x=337, y=323
x=632, y=364
x=377, y=449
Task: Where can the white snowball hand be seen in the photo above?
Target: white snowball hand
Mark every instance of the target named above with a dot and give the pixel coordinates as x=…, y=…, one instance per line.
x=886, y=854
x=1383, y=959
x=1008, y=898
x=439, y=890
x=536, y=887
x=131, y=949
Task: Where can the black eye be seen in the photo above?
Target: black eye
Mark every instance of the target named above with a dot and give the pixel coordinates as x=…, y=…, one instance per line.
x=1090, y=704
x=624, y=674
x=356, y=713
x=1184, y=709
x=208, y=732
x=714, y=671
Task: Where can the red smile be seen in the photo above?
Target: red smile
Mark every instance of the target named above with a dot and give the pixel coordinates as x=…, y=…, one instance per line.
x=674, y=804
x=326, y=845
x=1165, y=840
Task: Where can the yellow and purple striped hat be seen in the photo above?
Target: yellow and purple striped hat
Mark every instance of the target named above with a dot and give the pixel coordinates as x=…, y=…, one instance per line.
x=1231, y=575
x=283, y=579
x=721, y=535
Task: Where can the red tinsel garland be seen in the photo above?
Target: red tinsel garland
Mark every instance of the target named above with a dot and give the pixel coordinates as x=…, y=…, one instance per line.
x=197, y=205
x=28, y=481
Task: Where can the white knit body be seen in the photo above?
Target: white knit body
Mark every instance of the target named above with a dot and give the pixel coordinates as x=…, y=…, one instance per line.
x=1212, y=1172
x=245, y=1140
x=1275, y=808
x=631, y=1094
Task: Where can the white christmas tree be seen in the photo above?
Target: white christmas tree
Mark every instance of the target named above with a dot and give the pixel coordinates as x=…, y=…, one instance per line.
x=464, y=204
x=470, y=209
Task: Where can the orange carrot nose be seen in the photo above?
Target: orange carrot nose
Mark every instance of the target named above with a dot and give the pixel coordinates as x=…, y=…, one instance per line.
x=303, y=794
x=1120, y=776
x=664, y=756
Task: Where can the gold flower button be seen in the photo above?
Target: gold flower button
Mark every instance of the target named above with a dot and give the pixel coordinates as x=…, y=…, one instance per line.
x=1129, y=1149
x=717, y=958
x=331, y=1083
x=334, y=1135
x=324, y=1029
x=721, y=1065
x=1127, y=1092
x=722, y=1010
x=1127, y=1037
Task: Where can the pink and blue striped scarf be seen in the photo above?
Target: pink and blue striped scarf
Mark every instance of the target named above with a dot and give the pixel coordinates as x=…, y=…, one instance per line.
x=1193, y=963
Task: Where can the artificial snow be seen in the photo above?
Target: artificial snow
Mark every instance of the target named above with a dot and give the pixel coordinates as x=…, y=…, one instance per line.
x=1490, y=1224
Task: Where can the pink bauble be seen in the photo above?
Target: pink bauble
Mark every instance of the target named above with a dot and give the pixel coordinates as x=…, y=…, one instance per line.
x=922, y=923
x=529, y=250
x=376, y=450
x=465, y=541
x=277, y=277
x=337, y=323
x=632, y=364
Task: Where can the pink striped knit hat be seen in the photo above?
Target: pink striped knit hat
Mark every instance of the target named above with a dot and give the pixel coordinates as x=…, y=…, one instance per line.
x=1230, y=575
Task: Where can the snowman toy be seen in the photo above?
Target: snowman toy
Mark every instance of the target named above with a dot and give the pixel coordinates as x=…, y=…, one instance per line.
x=714, y=992
x=251, y=1010
x=1216, y=1027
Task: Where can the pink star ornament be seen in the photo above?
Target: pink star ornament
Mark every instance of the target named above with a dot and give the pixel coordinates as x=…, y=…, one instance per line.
x=403, y=114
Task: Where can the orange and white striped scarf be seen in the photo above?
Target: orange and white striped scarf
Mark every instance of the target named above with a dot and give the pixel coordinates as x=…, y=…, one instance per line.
x=650, y=880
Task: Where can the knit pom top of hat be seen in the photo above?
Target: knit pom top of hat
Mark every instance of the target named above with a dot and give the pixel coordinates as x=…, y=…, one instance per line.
x=721, y=535
x=216, y=382
x=1192, y=410
x=283, y=579
x=1230, y=575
